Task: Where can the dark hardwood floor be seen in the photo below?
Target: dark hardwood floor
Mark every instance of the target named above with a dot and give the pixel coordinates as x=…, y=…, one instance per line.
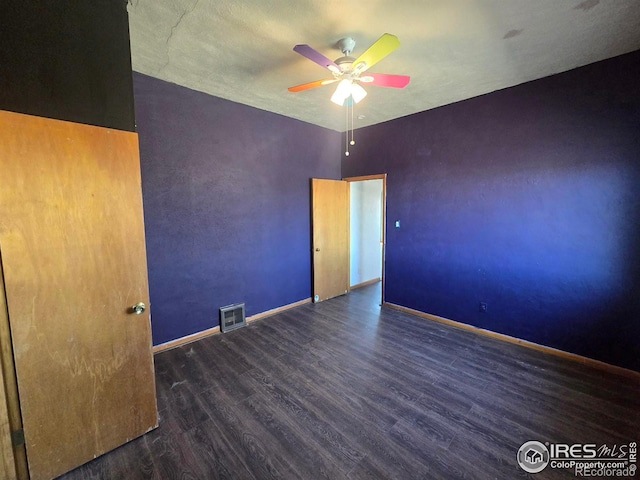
x=346, y=390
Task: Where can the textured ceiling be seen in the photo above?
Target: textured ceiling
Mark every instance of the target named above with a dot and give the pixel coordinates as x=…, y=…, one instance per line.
x=453, y=49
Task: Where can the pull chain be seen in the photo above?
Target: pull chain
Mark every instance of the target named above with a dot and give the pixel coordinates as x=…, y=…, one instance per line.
x=346, y=132
x=350, y=105
x=352, y=142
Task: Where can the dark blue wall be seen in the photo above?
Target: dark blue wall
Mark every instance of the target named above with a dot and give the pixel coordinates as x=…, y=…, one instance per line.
x=527, y=199
x=227, y=204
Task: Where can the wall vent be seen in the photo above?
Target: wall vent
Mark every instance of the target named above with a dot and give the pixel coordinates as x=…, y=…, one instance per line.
x=232, y=317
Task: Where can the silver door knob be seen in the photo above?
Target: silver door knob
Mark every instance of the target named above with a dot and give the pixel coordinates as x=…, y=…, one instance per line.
x=138, y=308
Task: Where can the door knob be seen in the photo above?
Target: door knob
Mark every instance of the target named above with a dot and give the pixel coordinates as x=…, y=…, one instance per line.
x=138, y=308
x=317, y=249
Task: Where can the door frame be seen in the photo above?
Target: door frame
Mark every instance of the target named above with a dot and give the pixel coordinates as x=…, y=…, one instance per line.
x=14, y=457
x=383, y=177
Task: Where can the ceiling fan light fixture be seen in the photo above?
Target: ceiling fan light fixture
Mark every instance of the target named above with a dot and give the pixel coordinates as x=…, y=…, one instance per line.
x=347, y=93
x=342, y=92
x=346, y=70
x=357, y=92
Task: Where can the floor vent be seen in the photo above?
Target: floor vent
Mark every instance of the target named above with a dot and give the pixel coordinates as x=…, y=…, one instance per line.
x=232, y=317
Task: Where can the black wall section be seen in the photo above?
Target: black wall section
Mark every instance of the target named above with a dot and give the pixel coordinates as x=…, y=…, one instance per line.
x=67, y=59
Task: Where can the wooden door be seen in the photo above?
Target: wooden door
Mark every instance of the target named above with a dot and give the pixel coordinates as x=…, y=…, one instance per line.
x=73, y=252
x=330, y=206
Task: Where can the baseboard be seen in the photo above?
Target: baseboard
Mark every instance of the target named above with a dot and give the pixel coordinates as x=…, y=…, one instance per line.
x=365, y=284
x=625, y=372
x=274, y=311
x=178, y=342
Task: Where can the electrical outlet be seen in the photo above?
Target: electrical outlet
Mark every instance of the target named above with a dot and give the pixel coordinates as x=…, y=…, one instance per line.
x=483, y=307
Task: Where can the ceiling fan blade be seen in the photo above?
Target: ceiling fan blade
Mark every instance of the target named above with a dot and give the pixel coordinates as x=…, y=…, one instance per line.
x=317, y=57
x=386, y=44
x=307, y=86
x=385, y=80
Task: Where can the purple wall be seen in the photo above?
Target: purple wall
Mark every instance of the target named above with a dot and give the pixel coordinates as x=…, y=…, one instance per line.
x=527, y=199
x=227, y=204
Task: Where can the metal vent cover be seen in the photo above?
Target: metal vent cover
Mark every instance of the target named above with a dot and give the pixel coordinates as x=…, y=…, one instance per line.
x=232, y=317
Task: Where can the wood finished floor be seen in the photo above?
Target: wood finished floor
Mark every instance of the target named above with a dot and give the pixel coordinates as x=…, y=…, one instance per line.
x=347, y=390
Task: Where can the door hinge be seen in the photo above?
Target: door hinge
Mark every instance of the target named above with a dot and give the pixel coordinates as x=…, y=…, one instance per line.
x=17, y=438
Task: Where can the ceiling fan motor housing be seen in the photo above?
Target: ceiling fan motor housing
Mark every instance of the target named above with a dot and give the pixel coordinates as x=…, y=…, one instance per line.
x=345, y=63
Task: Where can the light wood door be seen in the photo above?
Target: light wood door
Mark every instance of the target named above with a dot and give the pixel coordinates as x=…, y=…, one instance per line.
x=330, y=205
x=73, y=252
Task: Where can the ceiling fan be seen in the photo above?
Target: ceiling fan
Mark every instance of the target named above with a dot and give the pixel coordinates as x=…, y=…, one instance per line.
x=349, y=72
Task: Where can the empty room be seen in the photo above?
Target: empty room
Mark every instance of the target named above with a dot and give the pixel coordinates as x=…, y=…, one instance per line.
x=319, y=239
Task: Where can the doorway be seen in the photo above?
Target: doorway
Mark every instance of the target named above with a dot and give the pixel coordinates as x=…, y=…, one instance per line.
x=332, y=257
x=367, y=232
